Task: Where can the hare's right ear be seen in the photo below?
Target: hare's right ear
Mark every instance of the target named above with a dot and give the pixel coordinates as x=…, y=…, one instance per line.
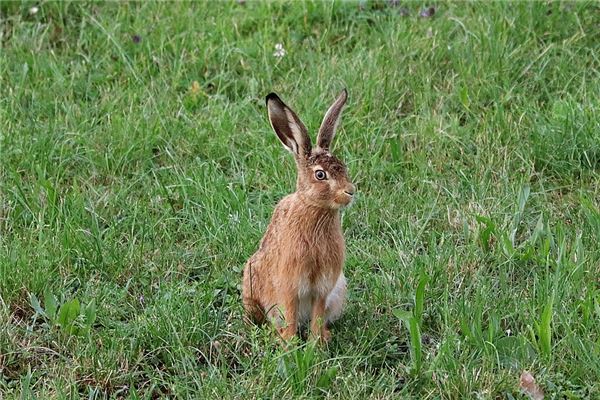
x=288, y=127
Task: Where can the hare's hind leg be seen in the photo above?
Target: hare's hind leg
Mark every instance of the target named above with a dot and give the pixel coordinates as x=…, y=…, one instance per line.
x=253, y=310
x=334, y=304
x=250, y=293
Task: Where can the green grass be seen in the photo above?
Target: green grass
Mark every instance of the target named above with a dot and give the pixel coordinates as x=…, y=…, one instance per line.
x=473, y=138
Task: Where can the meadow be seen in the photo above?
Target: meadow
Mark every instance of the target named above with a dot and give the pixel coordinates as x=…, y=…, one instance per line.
x=138, y=172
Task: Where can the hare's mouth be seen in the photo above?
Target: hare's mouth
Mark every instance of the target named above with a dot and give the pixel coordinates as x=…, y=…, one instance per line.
x=344, y=199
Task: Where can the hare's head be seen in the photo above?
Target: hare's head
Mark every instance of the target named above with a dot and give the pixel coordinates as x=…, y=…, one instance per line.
x=322, y=178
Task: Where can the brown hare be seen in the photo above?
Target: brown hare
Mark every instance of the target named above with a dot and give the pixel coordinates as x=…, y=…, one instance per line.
x=296, y=275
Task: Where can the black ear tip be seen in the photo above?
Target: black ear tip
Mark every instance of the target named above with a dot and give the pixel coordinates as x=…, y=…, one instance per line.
x=271, y=96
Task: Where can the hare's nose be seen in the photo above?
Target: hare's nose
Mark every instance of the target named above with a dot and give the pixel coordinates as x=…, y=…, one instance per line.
x=350, y=190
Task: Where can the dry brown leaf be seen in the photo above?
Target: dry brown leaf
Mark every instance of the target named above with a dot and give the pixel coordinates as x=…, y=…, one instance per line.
x=195, y=88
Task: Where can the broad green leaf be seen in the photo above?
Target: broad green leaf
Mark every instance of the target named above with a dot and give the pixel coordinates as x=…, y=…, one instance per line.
x=68, y=313
x=415, y=343
x=545, y=328
x=507, y=246
x=402, y=315
x=420, y=296
x=325, y=380
x=50, y=304
x=463, y=94
x=35, y=304
x=90, y=313
x=486, y=233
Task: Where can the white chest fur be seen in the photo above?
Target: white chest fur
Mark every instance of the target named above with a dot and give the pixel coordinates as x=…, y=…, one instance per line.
x=331, y=287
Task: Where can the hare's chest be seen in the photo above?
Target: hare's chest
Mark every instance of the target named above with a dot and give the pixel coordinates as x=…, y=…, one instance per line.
x=320, y=267
x=324, y=265
x=313, y=286
x=320, y=285
x=309, y=289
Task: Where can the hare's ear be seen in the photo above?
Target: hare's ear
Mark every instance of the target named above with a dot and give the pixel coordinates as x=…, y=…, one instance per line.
x=288, y=127
x=331, y=121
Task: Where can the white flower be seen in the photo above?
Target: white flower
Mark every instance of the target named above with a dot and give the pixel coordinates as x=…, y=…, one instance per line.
x=279, y=50
x=33, y=10
x=508, y=332
x=235, y=218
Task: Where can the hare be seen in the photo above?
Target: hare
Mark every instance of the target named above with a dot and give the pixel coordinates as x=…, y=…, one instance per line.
x=296, y=276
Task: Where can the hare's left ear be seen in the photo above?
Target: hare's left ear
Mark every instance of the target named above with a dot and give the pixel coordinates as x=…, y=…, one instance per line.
x=288, y=127
x=331, y=121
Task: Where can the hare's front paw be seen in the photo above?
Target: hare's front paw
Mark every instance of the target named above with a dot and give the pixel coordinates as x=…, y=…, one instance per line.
x=325, y=335
x=287, y=333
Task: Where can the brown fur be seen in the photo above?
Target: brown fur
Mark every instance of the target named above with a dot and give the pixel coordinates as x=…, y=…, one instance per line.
x=296, y=275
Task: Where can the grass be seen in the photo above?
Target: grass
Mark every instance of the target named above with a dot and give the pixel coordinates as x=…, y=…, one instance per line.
x=131, y=197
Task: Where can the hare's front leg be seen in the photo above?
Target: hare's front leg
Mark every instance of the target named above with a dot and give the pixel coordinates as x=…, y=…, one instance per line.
x=317, y=321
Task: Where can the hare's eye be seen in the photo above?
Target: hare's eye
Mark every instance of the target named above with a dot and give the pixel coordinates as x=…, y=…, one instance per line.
x=320, y=174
